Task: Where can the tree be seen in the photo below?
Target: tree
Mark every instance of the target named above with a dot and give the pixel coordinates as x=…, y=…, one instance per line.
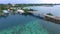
x=49, y=14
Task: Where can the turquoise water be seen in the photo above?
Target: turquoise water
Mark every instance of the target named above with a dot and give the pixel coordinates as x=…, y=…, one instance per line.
x=32, y=27
x=21, y=24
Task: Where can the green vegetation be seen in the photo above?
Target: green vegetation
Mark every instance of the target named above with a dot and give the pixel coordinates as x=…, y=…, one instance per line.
x=26, y=11
x=19, y=5
x=0, y=11
x=50, y=14
x=2, y=7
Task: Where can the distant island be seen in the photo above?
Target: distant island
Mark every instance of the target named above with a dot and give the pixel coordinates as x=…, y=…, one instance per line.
x=16, y=5
x=23, y=5
x=8, y=6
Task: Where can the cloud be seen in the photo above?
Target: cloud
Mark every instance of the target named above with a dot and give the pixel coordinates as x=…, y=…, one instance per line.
x=50, y=1
x=29, y=1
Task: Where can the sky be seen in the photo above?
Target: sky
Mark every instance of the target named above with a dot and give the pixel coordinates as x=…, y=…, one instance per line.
x=29, y=1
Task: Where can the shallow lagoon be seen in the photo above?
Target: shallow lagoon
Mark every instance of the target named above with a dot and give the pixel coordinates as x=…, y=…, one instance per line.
x=21, y=24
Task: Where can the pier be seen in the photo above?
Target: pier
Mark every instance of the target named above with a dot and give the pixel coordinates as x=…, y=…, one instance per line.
x=36, y=14
x=54, y=19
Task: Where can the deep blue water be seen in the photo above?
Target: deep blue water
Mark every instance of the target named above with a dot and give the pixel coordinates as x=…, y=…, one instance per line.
x=13, y=20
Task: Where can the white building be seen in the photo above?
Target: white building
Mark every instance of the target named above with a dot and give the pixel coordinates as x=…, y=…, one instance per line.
x=20, y=11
